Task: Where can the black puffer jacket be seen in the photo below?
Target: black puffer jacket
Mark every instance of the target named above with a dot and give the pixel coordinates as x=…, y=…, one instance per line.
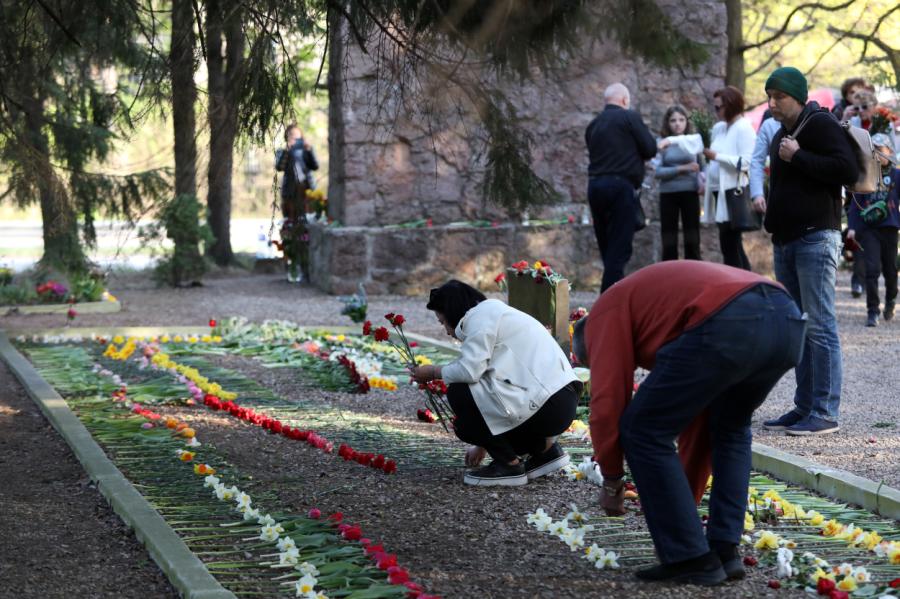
x=805, y=193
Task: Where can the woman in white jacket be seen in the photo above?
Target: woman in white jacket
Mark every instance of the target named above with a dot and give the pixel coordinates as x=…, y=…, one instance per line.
x=512, y=389
x=729, y=155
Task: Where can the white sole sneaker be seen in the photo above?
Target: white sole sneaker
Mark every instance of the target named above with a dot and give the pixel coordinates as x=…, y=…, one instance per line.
x=496, y=481
x=549, y=467
x=824, y=431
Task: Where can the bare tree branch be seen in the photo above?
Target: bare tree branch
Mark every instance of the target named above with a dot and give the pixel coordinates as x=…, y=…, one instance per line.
x=893, y=54
x=812, y=6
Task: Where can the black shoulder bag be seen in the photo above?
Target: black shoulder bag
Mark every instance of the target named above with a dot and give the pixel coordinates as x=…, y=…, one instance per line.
x=741, y=215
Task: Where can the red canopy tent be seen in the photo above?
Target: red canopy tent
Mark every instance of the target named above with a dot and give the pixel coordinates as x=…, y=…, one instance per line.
x=824, y=96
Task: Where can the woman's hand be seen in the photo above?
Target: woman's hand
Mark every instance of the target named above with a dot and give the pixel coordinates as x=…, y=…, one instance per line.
x=851, y=234
x=759, y=204
x=691, y=167
x=475, y=455
x=423, y=374
x=710, y=155
x=664, y=143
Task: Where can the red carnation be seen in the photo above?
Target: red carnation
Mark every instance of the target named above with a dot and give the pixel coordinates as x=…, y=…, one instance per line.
x=500, y=277
x=750, y=561
x=386, y=560
x=367, y=328
x=413, y=344
x=378, y=462
x=389, y=316
x=416, y=589
x=381, y=334
x=315, y=513
x=894, y=584
x=374, y=549
x=398, y=320
x=825, y=586
x=352, y=533
x=336, y=517
x=389, y=467
x=212, y=322
x=397, y=575
x=276, y=427
x=774, y=584
x=365, y=542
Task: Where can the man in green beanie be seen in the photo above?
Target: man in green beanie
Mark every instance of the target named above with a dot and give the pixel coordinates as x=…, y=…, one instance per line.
x=810, y=159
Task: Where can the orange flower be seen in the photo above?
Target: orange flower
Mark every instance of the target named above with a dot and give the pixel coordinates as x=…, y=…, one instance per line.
x=188, y=433
x=186, y=456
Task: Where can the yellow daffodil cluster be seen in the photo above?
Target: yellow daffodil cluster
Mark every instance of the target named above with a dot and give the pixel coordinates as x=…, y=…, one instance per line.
x=423, y=360
x=377, y=382
x=769, y=541
x=188, y=339
x=192, y=374
x=122, y=353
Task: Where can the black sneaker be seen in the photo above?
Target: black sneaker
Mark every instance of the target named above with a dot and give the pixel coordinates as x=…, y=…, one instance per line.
x=813, y=425
x=782, y=422
x=731, y=560
x=888, y=312
x=856, y=290
x=705, y=570
x=872, y=319
x=550, y=461
x=497, y=474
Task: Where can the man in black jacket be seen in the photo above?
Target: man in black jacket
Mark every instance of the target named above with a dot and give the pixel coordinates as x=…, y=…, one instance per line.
x=810, y=158
x=618, y=143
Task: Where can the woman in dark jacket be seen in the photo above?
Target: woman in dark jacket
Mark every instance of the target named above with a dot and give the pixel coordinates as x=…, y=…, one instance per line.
x=297, y=160
x=879, y=239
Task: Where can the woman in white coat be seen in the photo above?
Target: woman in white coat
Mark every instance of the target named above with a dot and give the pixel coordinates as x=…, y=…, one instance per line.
x=512, y=390
x=729, y=155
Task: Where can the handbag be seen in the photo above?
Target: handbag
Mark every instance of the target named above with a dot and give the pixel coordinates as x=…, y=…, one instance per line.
x=741, y=215
x=875, y=213
x=640, y=219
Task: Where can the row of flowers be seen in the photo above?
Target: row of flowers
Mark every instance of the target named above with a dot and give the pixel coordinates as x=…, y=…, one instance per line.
x=571, y=530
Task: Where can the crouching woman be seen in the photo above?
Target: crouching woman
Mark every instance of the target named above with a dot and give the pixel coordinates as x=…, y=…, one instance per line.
x=512, y=389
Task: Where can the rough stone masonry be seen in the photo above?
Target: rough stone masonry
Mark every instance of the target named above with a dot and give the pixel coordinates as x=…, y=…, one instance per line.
x=393, y=161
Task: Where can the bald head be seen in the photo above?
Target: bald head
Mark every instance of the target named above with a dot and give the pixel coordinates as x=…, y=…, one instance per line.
x=617, y=94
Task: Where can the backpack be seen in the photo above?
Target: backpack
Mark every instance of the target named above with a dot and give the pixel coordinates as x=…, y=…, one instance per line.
x=866, y=157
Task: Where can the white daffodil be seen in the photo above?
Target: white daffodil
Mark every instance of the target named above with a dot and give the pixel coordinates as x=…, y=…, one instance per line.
x=861, y=574
x=575, y=516
x=242, y=501
x=746, y=540
x=541, y=521
x=225, y=493
x=192, y=442
x=251, y=514
x=265, y=519
x=305, y=585
x=536, y=515
x=270, y=532
x=285, y=543
x=845, y=569
x=593, y=553
x=591, y=471
x=784, y=559
x=290, y=557
x=559, y=528
x=610, y=560
x=307, y=568
x=574, y=538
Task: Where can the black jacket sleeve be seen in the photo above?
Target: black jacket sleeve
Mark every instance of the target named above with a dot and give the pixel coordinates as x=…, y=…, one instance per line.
x=282, y=158
x=825, y=153
x=309, y=158
x=645, y=143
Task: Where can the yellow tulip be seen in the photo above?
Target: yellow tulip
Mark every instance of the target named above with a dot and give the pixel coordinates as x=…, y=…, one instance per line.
x=767, y=540
x=848, y=584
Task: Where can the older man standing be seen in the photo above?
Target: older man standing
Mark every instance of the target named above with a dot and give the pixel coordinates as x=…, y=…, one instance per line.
x=810, y=158
x=618, y=144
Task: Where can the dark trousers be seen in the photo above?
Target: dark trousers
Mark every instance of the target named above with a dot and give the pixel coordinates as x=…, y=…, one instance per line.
x=880, y=252
x=858, y=278
x=687, y=204
x=727, y=365
x=732, y=247
x=612, y=207
x=529, y=438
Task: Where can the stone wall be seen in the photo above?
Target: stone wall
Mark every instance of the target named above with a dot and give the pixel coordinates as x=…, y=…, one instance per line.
x=391, y=163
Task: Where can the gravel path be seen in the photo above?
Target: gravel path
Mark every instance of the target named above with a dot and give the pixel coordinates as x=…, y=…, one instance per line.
x=60, y=538
x=871, y=398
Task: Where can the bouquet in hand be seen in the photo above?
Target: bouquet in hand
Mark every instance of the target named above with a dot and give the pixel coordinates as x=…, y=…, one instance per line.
x=436, y=390
x=703, y=122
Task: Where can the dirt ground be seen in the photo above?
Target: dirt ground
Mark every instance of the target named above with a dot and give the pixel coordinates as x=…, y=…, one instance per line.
x=457, y=541
x=59, y=536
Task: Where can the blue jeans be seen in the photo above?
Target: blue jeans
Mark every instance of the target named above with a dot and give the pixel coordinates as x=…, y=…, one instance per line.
x=612, y=208
x=807, y=267
x=707, y=368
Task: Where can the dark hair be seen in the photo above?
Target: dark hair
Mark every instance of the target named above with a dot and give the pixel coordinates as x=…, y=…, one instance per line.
x=453, y=299
x=851, y=83
x=287, y=130
x=732, y=101
x=666, y=131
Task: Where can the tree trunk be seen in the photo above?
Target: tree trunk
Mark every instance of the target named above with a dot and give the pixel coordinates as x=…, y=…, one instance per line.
x=734, y=61
x=225, y=76
x=62, y=245
x=184, y=96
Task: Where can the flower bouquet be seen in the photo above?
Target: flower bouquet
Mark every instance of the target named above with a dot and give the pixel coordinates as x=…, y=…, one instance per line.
x=543, y=293
x=294, y=247
x=703, y=121
x=436, y=390
x=356, y=306
x=883, y=121
x=51, y=292
x=316, y=202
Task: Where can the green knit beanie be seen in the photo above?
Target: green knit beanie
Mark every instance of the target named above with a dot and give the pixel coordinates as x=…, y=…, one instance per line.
x=790, y=81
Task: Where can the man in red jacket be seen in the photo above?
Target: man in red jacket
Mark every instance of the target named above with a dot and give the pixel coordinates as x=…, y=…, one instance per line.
x=716, y=339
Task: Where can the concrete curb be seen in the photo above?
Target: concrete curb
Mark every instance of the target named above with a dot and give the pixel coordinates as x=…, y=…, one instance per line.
x=184, y=569
x=85, y=308
x=837, y=484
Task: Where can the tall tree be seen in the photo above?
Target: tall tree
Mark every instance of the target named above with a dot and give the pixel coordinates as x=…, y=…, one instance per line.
x=184, y=96
x=63, y=104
